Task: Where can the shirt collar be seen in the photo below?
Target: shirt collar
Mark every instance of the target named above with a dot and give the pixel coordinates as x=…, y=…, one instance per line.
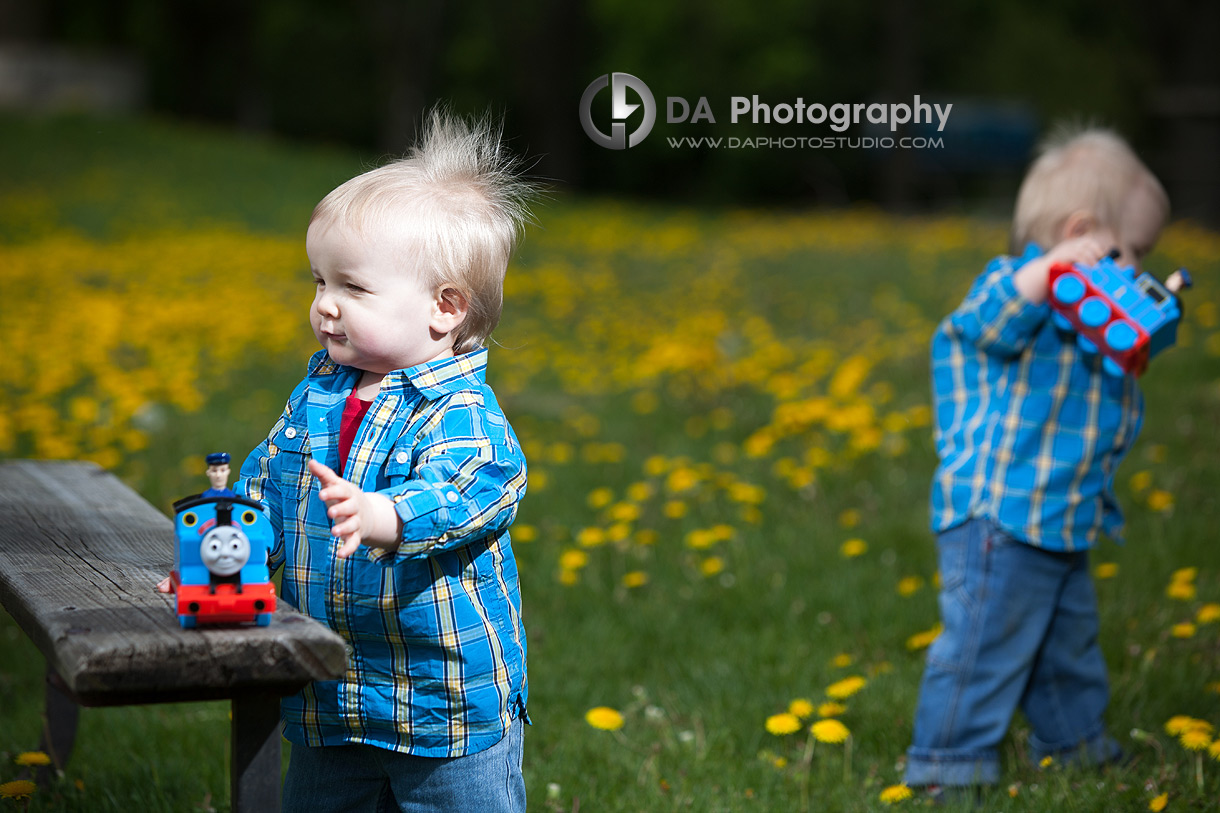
x=432, y=379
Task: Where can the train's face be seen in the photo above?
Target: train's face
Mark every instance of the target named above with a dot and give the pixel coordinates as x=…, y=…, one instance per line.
x=224, y=550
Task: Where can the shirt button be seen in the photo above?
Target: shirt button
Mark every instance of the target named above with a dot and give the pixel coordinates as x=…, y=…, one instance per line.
x=401, y=457
x=290, y=433
x=451, y=496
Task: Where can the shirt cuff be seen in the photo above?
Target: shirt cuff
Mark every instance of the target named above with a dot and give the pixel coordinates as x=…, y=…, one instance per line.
x=424, y=512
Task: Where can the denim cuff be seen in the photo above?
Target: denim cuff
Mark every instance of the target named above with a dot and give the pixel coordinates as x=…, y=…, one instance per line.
x=1096, y=749
x=926, y=766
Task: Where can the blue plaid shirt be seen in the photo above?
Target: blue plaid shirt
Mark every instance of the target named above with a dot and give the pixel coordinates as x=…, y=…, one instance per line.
x=1029, y=429
x=436, y=649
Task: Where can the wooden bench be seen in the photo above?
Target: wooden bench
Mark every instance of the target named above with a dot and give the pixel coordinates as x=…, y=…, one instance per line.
x=80, y=555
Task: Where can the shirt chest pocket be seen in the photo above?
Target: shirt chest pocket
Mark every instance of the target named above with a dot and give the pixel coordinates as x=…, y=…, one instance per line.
x=292, y=451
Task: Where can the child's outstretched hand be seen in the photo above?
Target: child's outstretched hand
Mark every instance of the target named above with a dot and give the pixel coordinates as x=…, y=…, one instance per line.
x=358, y=517
x=1031, y=279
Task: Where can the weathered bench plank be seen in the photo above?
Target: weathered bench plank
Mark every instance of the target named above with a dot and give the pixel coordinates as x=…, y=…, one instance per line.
x=80, y=556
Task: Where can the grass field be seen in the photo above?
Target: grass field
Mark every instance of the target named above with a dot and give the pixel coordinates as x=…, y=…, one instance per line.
x=726, y=418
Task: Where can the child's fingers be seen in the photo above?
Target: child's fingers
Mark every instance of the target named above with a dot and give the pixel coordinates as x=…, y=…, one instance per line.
x=163, y=586
x=342, y=507
x=325, y=474
x=350, y=545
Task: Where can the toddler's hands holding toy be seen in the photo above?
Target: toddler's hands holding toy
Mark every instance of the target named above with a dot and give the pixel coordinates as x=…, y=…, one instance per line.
x=359, y=517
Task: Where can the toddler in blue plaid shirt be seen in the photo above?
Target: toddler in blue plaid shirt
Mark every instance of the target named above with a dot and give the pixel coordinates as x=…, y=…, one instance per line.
x=1029, y=431
x=393, y=476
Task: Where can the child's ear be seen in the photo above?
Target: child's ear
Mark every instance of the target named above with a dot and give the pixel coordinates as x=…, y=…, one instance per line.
x=449, y=309
x=1078, y=224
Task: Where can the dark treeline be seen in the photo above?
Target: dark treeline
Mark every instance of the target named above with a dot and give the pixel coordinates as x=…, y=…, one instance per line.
x=362, y=72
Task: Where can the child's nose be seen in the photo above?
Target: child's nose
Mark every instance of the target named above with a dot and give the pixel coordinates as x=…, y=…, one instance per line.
x=325, y=304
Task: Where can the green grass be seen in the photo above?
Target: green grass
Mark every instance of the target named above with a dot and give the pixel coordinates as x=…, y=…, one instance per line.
x=696, y=664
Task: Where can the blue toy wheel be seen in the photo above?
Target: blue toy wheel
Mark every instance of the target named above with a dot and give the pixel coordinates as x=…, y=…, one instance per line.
x=263, y=619
x=188, y=622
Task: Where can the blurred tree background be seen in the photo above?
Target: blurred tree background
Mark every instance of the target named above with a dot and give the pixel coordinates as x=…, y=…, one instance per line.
x=361, y=73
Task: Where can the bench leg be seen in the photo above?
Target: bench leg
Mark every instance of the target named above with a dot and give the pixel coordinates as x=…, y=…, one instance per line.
x=255, y=741
x=58, y=726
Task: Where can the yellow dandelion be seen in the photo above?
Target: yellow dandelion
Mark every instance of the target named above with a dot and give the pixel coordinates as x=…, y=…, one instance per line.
x=31, y=758
x=1183, y=630
x=1208, y=613
x=780, y=762
x=849, y=518
x=700, y=538
x=895, y=794
x=1213, y=750
x=1106, y=570
x=1184, y=574
x=1046, y=762
x=17, y=789
x=675, y=509
x=711, y=566
x=785, y=723
x=1160, y=500
x=845, y=688
x=1195, y=739
x=909, y=585
x=923, y=640
x=1180, y=723
x=1158, y=803
x=1140, y=480
x=841, y=660
x=801, y=707
x=524, y=533
x=604, y=718
x=1182, y=591
x=646, y=536
x=599, y=497
x=573, y=559
x=568, y=577
x=831, y=709
x=853, y=548
x=591, y=537
x=829, y=730
x=639, y=491
x=635, y=578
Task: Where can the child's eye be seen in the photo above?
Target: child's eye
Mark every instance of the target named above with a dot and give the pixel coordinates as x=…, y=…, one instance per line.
x=354, y=288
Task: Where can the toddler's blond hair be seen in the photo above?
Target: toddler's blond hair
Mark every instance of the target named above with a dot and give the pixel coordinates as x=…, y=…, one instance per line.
x=456, y=202
x=1079, y=169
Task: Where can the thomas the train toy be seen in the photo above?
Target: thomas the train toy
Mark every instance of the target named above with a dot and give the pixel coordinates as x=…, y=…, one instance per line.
x=220, y=571
x=1127, y=319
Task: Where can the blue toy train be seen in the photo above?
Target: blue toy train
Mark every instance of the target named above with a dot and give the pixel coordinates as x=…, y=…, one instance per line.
x=1125, y=318
x=220, y=571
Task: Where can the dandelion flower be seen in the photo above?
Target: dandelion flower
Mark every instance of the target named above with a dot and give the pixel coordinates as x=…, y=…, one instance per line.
x=1208, y=613
x=573, y=559
x=17, y=789
x=841, y=660
x=1183, y=630
x=1213, y=750
x=845, y=688
x=1046, y=762
x=524, y=533
x=831, y=709
x=1195, y=739
x=1140, y=480
x=1180, y=723
x=849, y=518
x=895, y=794
x=829, y=730
x=711, y=566
x=1105, y=570
x=636, y=578
x=1182, y=591
x=604, y=718
x=785, y=723
x=922, y=640
x=853, y=548
x=1184, y=574
x=31, y=758
x=1160, y=500
x=591, y=537
x=801, y=707
x=1158, y=803
x=909, y=585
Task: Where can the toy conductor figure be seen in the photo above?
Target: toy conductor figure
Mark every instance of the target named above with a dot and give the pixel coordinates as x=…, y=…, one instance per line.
x=218, y=475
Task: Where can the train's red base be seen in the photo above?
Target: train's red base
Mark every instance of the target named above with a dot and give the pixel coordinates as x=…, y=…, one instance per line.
x=226, y=605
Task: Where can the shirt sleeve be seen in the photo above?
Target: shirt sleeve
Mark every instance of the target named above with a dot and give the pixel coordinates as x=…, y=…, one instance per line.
x=461, y=481
x=994, y=317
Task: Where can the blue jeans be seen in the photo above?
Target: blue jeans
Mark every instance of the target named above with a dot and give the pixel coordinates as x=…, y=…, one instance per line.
x=364, y=778
x=1020, y=629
